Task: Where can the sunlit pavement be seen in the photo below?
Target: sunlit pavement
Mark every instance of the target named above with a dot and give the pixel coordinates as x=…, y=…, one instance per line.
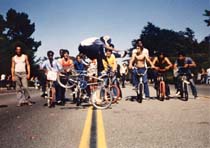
x=152, y=124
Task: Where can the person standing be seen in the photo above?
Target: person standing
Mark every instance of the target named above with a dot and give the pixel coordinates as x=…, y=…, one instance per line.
x=67, y=65
x=123, y=73
x=20, y=71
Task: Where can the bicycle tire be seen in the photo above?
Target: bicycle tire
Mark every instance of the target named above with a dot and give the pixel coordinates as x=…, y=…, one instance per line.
x=115, y=93
x=158, y=91
x=69, y=82
x=140, y=93
x=185, y=92
x=162, y=91
x=78, y=97
x=99, y=98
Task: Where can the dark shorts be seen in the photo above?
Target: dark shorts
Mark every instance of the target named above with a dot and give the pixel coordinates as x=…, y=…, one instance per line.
x=94, y=52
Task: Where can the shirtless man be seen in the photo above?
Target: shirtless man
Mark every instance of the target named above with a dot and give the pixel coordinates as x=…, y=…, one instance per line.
x=139, y=58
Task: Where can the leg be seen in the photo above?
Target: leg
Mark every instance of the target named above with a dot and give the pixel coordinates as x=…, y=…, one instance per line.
x=135, y=79
x=19, y=90
x=146, y=87
x=193, y=88
x=25, y=89
x=123, y=80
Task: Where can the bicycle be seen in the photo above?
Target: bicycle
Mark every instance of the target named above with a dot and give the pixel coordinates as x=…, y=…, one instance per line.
x=110, y=81
x=184, y=83
x=161, y=86
x=140, y=86
x=51, y=78
x=101, y=98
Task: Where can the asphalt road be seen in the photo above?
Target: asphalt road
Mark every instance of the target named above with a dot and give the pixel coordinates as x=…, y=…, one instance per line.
x=152, y=124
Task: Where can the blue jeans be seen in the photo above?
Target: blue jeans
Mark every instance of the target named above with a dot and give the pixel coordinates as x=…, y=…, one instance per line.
x=145, y=80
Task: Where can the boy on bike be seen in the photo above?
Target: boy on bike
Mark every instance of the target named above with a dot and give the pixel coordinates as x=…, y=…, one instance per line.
x=162, y=65
x=112, y=63
x=184, y=64
x=138, y=59
x=51, y=66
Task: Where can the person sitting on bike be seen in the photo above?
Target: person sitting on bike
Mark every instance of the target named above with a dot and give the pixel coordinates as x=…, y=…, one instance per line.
x=51, y=65
x=184, y=64
x=161, y=65
x=111, y=62
x=94, y=47
x=138, y=59
x=80, y=66
x=67, y=65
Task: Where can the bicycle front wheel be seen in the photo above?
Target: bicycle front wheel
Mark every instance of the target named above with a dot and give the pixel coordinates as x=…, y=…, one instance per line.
x=66, y=81
x=140, y=93
x=185, y=92
x=102, y=98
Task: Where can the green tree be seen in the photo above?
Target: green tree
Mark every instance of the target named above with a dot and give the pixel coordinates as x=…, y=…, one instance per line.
x=16, y=29
x=155, y=38
x=207, y=14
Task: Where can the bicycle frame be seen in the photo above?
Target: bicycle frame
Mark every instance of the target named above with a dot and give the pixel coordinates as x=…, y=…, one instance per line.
x=140, y=87
x=161, y=90
x=184, y=84
x=80, y=82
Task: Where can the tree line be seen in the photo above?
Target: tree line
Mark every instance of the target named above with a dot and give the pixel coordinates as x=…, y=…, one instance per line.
x=171, y=42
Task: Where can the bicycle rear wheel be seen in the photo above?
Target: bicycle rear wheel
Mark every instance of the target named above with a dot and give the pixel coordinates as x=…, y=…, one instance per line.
x=102, y=98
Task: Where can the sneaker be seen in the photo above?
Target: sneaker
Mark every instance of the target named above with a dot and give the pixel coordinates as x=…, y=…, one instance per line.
x=43, y=95
x=19, y=105
x=177, y=93
x=135, y=88
x=147, y=98
x=29, y=103
x=195, y=97
x=124, y=54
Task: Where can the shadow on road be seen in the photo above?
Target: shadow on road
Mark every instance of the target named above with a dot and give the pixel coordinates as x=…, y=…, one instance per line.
x=3, y=106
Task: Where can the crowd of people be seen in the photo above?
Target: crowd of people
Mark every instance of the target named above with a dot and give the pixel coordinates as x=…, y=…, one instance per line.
x=95, y=56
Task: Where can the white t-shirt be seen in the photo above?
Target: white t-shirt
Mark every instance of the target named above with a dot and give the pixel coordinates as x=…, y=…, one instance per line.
x=3, y=77
x=208, y=72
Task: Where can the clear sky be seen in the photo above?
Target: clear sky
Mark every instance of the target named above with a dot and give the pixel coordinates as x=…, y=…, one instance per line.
x=64, y=23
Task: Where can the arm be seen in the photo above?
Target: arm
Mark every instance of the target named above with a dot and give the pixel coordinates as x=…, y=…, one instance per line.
x=169, y=63
x=115, y=64
x=154, y=62
x=175, y=65
x=131, y=61
x=110, y=48
x=13, y=69
x=28, y=67
x=193, y=64
x=149, y=61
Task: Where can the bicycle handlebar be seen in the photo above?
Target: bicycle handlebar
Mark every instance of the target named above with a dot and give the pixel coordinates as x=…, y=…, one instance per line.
x=141, y=74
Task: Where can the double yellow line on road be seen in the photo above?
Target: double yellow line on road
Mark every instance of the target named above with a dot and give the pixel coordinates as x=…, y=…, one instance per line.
x=100, y=132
